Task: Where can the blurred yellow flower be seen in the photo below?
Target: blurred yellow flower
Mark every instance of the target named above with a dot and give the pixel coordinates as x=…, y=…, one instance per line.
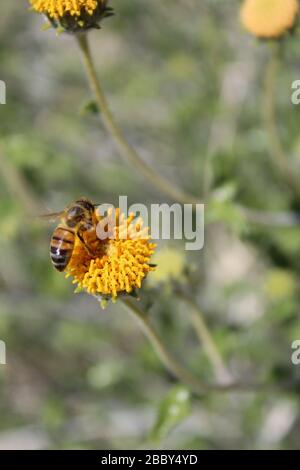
x=279, y=285
x=269, y=18
x=121, y=262
x=73, y=15
x=171, y=264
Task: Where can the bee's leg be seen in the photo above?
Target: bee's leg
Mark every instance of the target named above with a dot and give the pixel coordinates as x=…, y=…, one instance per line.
x=80, y=236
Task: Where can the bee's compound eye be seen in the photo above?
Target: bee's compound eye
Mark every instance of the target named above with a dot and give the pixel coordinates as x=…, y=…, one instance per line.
x=75, y=212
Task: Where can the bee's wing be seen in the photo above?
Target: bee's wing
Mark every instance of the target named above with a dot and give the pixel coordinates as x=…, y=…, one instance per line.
x=52, y=216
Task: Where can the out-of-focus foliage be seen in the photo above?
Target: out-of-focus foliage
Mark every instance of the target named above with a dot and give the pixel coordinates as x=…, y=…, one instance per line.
x=185, y=82
x=174, y=408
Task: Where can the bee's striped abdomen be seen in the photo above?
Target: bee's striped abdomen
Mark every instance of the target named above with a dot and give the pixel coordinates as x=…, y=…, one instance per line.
x=61, y=247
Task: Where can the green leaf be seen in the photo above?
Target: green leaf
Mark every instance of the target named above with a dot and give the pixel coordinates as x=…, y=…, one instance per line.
x=90, y=107
x=173, y=409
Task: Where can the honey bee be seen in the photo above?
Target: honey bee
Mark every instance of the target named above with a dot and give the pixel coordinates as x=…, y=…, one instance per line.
x=78, y=218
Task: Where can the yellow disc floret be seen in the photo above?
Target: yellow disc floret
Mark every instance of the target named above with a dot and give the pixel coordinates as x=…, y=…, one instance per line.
x=269, y=18
x=73, y=15
x=58, y=8
x=120, y=264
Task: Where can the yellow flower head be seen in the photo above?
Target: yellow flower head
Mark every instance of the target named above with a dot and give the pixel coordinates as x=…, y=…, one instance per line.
x=121, y=261
x=269, y=18
x=73, y=15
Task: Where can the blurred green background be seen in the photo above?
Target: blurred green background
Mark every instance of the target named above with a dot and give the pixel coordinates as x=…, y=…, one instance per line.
x=185, y=82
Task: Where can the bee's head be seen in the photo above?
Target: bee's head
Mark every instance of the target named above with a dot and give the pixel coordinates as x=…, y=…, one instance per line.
x=80, y=210
x=86, y=205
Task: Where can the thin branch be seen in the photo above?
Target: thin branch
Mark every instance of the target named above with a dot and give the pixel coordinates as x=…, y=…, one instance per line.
x=130, y=155
x=171, y=363
x=221, y=372
x=270, y=219
x=18, y=187
x=126, y=150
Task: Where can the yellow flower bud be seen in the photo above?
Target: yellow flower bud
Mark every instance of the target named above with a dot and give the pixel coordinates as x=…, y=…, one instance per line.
x=269, y=18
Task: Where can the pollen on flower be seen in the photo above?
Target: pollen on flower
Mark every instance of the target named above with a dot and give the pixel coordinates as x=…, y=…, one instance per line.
x=120, y=263
x=73, y=15
x=269, y=18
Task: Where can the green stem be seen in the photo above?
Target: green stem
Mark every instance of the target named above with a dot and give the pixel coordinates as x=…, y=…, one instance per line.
x=171, y=363
x=125, y=149
x=18, y=186
x=206, y=339
x=269, y=110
